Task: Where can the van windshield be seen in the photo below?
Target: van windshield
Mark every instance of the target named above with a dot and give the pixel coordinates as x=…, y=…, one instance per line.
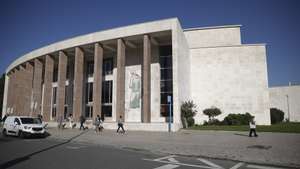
x=31, y=120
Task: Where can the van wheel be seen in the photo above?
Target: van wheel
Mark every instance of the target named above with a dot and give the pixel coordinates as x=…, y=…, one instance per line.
x=4, y=133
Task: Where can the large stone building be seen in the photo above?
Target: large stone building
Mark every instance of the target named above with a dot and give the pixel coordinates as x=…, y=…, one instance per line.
x=131, y=70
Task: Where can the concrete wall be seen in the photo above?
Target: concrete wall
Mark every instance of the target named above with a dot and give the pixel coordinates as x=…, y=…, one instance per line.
x=286, y=96
x=213, y=36
x=181, y=71
x=232, y=78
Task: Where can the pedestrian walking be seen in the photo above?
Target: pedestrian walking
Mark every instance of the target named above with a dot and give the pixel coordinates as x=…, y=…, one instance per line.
x=60, y=121
x=71, y=121
x=252, y=126
x=82, y=120
x=120, y=125
x=97, y=123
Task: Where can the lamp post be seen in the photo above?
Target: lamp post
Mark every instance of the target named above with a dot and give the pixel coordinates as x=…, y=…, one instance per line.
x=288, y=106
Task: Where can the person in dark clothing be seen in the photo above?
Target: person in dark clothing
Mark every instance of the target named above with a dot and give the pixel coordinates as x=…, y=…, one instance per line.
x=82, y=120
x=120, y=125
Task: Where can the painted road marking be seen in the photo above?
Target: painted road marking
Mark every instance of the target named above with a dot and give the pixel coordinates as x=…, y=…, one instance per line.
x=171, y=163
x=73, y=147
x=168, y=166
x=172, y=160
x=262, y=167
x=209, y=163
x=238, y=165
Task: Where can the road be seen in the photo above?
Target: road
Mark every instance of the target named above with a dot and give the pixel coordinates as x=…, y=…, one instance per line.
x=49, y=153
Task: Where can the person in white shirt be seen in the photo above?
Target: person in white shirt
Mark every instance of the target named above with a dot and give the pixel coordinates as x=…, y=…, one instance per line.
x=252, y=128
x=70, y=118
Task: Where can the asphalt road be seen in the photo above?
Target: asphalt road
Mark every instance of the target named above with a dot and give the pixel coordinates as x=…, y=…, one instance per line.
x=49, y=153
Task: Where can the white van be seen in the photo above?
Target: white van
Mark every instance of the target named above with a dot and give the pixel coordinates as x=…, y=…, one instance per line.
x=23, y=126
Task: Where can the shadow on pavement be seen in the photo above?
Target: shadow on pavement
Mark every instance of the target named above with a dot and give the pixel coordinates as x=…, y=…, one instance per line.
x=239, y=134
x=26, y=157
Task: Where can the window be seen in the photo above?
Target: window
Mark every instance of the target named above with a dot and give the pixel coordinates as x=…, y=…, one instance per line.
x=55, y=74
x=89, y=93
x=107, y=66
x=166, y=81
x=90, y=68
x=17, y=121
x=107, y=110
x=89, y=111
x=54, y=92
x=107, y=91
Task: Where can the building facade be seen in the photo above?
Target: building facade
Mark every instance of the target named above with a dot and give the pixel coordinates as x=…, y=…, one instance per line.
x=130, y=72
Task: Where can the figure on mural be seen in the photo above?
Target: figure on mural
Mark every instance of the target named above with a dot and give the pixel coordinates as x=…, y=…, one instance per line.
x=135, y=89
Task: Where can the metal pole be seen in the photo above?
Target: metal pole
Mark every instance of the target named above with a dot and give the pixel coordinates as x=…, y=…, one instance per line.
x=288, y=106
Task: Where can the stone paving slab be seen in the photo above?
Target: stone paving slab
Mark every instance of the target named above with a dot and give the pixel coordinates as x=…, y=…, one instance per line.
x=269, y=148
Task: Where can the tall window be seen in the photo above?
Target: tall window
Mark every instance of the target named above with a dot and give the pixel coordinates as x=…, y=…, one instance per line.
x=107, y=98
x=54, y=92
x=55, y=74
x=107, y=66
x=90, y=68
x=166, y=81
x=89, y=100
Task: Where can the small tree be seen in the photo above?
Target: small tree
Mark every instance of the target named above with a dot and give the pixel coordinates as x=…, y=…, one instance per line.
x=188, y=111
x=212, y=112
x=277, y=115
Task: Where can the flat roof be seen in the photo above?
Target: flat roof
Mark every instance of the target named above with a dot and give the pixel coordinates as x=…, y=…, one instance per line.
x=211, y=27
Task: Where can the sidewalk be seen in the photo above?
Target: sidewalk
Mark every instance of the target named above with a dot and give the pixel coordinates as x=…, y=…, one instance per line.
x=269, y=148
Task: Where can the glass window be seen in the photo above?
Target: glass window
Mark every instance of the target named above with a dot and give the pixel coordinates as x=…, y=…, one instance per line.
x=18, y=121
x=90, y=68
x=165, y=50
x=107, y=66
x=107, y=91
x=89, y=111
x=165, y=62
x=89, y=92
x=166, y=74
x=166, y=86
x=54, y=92
x=53, y=111
x=107, y=110
x=31, y=121
x=55, y=74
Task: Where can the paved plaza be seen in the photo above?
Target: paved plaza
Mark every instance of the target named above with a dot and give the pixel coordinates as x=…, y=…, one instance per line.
x=280, y=149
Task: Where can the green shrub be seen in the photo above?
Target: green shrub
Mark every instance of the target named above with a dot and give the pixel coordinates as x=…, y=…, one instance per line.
x=237, y=119
x=188, y=111
x=212, y=112
x=276, y=115
x=213, y=122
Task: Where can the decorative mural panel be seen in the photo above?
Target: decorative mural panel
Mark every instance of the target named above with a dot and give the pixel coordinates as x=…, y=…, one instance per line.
x=134, y=90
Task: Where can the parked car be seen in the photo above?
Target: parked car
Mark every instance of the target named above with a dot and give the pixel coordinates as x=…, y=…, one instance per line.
x=23, y=126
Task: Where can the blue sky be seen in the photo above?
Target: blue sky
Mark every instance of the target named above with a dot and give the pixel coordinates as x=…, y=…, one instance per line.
x=31, y=24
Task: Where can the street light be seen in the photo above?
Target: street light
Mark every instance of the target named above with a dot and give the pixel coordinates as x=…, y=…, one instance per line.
x=288, y=106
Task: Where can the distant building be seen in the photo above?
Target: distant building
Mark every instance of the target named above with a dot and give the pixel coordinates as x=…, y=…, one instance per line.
x=131, y=70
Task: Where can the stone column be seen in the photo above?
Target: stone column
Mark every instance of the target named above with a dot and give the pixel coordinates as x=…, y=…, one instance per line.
x=15, y=91
x=6, y=104
x=78, y=83
x=27, y=89
x=37, y=87
x=48, y=79
x=97, y=85
x=61, y=83
x=146, y=69
x=20, y=91
x=10, y=91
x=120, y=80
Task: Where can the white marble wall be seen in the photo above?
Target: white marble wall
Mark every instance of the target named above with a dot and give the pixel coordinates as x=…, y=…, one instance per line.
x=284, y=98
x=232, y=78
x=214, y=36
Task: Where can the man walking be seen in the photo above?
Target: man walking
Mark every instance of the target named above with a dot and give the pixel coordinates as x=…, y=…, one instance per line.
x=82, y=120
x=252, y=128
x=120, y=125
